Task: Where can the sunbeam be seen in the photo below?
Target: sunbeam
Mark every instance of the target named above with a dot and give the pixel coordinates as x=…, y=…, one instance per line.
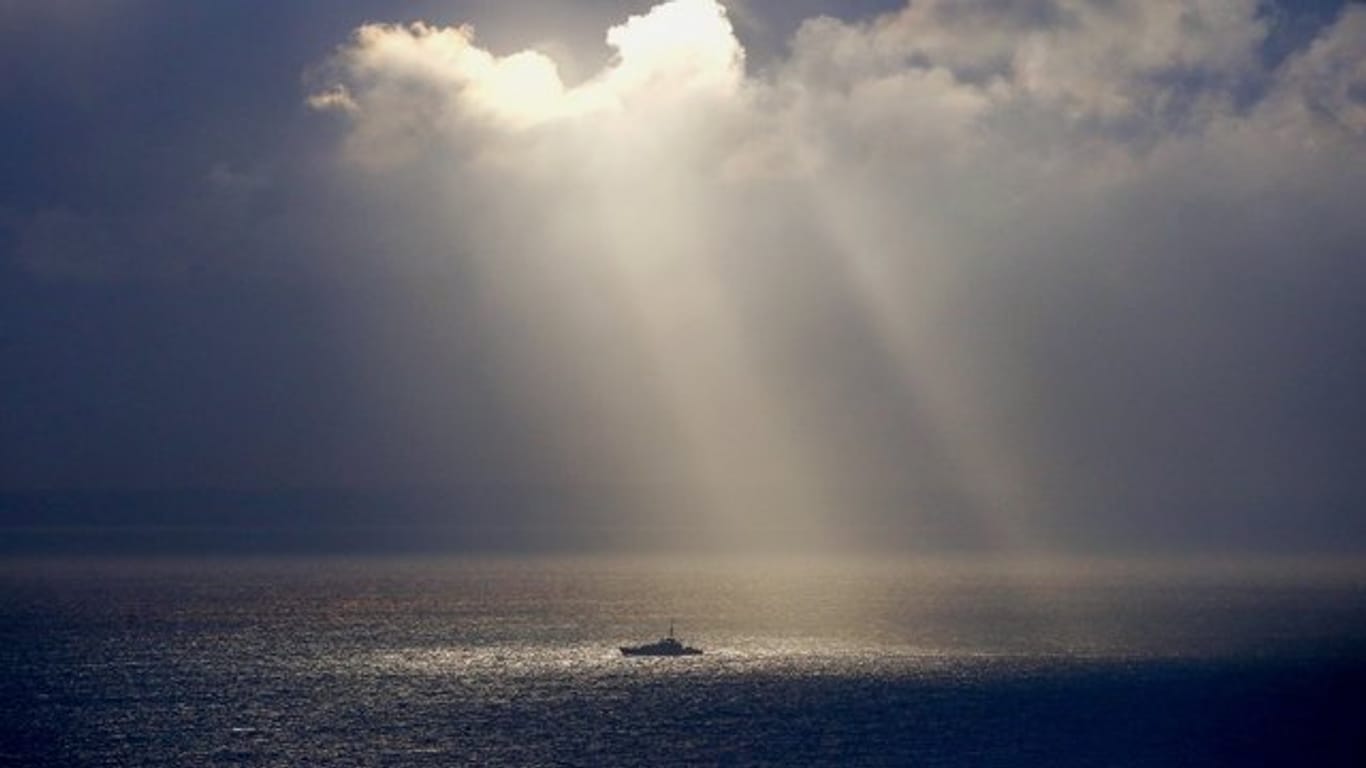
x=986, y=212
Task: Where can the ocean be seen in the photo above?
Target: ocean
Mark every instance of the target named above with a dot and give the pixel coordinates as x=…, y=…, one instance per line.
x=912, y=662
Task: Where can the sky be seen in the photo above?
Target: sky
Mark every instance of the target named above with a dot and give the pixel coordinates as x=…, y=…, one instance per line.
x=1039, y=275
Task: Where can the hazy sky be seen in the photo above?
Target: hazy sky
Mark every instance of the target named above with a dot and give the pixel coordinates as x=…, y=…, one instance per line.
x=1040, y=273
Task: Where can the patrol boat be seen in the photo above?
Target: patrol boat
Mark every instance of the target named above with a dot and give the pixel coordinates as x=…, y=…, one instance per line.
x=666, y=646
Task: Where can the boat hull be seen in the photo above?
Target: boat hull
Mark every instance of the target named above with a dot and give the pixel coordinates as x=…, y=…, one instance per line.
x=654, y=652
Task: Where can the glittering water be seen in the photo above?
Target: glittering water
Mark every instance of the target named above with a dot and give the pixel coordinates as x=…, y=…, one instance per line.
x=514, y=662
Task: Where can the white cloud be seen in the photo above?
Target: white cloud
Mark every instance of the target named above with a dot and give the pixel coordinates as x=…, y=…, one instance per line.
x=1064, y=82
x=408, y=84
x=1328, y=81
x=335, y=98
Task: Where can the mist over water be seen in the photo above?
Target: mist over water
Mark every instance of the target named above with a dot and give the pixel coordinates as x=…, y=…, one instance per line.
x=514, y=661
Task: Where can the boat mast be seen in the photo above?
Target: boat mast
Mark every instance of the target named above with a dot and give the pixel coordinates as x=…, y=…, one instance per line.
x=671, y=627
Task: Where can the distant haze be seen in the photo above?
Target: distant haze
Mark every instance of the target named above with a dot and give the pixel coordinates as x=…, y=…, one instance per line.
x=471, y=276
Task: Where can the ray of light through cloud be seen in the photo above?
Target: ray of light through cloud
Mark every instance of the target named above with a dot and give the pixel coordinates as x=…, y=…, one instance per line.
x=973, y=174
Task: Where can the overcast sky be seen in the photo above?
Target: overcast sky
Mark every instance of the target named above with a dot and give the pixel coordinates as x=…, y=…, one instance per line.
x=1040, y=273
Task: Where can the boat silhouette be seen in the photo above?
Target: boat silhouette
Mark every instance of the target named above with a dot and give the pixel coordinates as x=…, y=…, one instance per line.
x=665, y=646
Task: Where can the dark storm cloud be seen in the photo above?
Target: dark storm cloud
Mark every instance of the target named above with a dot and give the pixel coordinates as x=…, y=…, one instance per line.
x=1099, y=262
x=186, y=287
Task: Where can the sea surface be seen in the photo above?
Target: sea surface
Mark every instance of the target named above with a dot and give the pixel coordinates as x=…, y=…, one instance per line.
x=911, y=662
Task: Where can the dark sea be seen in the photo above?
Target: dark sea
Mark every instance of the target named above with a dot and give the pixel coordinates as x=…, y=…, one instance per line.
x=392, y=662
